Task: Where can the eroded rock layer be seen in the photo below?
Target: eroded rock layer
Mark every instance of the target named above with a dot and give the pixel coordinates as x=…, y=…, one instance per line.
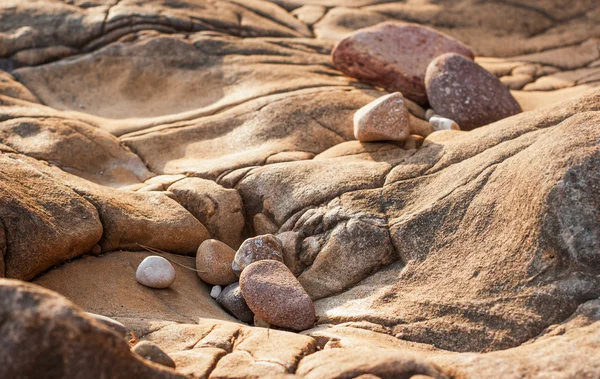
x=126, y=126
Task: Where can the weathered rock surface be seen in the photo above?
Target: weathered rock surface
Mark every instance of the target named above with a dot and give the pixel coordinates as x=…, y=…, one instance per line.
x=218, y=209
x=150, y=351
x=463, y=91
x=395, y=56
x=46, y=336
x=165, y=125
x=265, y=247
x=274, y=294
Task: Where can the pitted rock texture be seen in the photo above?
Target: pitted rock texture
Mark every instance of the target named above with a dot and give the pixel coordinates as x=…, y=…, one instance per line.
x=463, y=91
x=126, y=126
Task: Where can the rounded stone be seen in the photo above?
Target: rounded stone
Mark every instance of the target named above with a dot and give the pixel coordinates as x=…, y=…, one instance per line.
x=231, y=299
x=155, y=272
x=443, y=123
x=383, y=119
x=394, y=55
x=215, y=291
x=213, y=262
x=275, y=295
x=257, y=249
x=463, y=91
x=429, y=113
x=150, y=351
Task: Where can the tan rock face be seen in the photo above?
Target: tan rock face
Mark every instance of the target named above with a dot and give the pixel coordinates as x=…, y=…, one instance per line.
x=394, y=56
x=82, y=346
x=167, y=124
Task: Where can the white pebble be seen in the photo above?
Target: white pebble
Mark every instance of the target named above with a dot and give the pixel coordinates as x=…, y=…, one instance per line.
x=155, y=272
x=215, y=291
x=443, y=123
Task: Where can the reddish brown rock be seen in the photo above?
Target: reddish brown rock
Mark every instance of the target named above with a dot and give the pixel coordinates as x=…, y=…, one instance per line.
x=383, y=119
x=463, y=91
x=256, y=249
x=395, y=56
x=274, y=294
x=213, y=262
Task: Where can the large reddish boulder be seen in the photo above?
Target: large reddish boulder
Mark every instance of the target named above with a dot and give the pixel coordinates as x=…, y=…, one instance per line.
x=395, y=55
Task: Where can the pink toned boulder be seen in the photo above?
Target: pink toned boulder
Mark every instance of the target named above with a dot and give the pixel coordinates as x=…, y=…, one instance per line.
x=383, y=119
x=465, y=92
x=394, y=55
x=275, y=295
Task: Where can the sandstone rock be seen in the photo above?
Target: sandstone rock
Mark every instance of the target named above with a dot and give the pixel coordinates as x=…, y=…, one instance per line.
x=69, y=343
x=413, y=142
x=395, y=56
x=384, y=363
x=217, y=208
x=44, y=222
x=443, y=123
x=420, y=127
x=309, y=14
x=274, y=294
x=457, y=256
x=153, y=353
x=155, y=272
x=263, y=224
x=111, y=323
x=463, y=91
x=256, y=249
x=197, y=363
x=140, y=308
x=231, y=298
x=383, y=119
x=213, y=262
x=289, y=242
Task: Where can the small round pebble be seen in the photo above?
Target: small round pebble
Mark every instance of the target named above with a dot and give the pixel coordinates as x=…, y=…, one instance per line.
x=275, y=295
x=257, y=249
x=429, y=113
x=150, y=351
x=155, y=272
x=443, y=123
x=231, y=299
x=213, y=262
x=215, y=291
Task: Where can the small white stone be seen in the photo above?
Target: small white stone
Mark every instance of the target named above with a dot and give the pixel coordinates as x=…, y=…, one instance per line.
x=443, y=123
x=215, y=291
x=155, y=272
x=429, y=114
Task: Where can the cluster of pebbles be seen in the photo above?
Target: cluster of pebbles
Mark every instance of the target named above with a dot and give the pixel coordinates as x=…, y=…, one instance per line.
x=252, y=283
x=421, y=67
